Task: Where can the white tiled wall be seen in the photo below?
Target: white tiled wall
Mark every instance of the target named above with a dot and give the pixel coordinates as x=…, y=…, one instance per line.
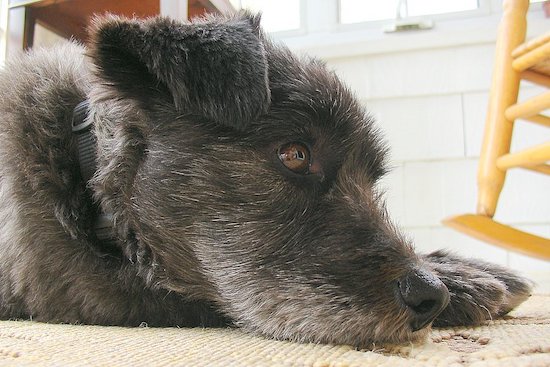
x=431, y=104
x=432, y=122
x=420, y=72
x=3, y=27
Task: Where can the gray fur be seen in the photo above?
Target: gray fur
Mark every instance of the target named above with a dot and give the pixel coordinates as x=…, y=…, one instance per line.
x=211, y=229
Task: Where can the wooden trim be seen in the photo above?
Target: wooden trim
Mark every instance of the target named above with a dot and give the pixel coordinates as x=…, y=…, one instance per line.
x=60, y=24
x=28, y=33
x=19, y=3
x=69, y=18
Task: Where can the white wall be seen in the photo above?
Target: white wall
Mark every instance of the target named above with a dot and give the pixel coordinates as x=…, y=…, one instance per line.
x=429, y=91
x=3, y=27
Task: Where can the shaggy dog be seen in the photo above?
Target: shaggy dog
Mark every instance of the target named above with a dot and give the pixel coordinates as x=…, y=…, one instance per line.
x=238, y=182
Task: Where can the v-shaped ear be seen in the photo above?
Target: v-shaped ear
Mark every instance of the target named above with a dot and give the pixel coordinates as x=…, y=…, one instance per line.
x=215, y=67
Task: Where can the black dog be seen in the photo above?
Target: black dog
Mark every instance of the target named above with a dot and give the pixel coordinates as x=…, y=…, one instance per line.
x=239, y=182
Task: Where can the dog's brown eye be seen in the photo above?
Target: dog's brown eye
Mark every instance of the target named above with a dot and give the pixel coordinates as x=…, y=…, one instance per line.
x=295, y=157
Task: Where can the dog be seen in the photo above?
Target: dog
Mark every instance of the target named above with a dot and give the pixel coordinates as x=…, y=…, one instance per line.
x=239, y=187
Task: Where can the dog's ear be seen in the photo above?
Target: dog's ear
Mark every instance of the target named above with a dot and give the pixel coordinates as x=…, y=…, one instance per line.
x=215, y=67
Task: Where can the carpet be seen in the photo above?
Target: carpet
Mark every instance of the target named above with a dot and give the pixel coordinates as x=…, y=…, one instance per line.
x=520, y=340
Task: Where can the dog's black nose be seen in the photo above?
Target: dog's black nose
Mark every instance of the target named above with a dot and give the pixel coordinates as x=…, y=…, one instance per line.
x=425, y=295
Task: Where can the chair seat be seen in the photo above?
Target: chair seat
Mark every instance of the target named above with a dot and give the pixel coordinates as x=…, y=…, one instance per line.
x=488, y=230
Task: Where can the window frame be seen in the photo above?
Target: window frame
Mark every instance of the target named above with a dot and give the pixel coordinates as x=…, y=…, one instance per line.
x=325, y=37
x=302, y=28
x=485, y=7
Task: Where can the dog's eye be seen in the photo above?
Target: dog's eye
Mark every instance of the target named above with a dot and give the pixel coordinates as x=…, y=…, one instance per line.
x=295, y=157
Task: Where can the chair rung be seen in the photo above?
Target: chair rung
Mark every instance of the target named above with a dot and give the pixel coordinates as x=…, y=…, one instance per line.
x=537, y=78
x=534, y=156
x=531, y=58
x=539, y=119
x=531, y=45
x=541, y=168
x=528, y=108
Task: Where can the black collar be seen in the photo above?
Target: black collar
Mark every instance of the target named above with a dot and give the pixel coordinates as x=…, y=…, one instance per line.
x=86, y=142
x=87, y=158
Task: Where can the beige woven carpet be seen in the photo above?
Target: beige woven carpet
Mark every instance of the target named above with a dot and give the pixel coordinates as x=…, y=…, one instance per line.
x=523, y=340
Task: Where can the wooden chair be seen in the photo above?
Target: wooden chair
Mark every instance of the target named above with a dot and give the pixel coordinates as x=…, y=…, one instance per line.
x=514, y=60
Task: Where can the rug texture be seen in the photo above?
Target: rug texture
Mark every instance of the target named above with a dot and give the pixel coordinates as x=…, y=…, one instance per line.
x=520, y=340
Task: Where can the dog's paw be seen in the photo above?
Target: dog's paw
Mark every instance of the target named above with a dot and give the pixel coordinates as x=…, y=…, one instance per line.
x=479, y=290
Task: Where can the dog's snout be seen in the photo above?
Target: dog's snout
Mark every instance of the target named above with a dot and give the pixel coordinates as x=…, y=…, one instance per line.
x=425, y=295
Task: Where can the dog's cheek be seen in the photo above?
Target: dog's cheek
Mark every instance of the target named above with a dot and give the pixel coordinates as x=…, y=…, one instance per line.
x=286, y=307
x=291, y=298
x=267, y=251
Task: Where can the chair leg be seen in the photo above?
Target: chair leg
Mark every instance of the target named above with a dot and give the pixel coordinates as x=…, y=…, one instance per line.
x=504, y=92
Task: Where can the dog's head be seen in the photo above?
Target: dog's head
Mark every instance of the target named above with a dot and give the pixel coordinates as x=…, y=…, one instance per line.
x=240, y=174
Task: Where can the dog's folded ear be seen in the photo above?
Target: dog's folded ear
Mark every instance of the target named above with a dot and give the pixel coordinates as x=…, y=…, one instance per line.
x=215, y=67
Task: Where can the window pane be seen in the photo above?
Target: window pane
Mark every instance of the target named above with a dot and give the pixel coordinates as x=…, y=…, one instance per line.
x=354, y=11
x=423, y=7
x=280, y=15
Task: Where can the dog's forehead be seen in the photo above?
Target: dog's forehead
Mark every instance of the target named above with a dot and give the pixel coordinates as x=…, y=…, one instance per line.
x=306, y=87
x=312, y=99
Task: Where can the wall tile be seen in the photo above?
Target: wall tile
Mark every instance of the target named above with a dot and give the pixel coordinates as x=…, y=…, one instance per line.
x=475, y=110
x=423, y=190
x=421, y=128
x=354, y=73
x=459, y=190
x=527, y=134
x=423, y=239
x=433, y=71
x=430, y=239
x=392, y=185
x=439, y=189
x=525, y=198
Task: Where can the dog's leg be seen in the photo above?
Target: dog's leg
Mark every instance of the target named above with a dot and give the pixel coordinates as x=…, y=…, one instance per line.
x=479, y=290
